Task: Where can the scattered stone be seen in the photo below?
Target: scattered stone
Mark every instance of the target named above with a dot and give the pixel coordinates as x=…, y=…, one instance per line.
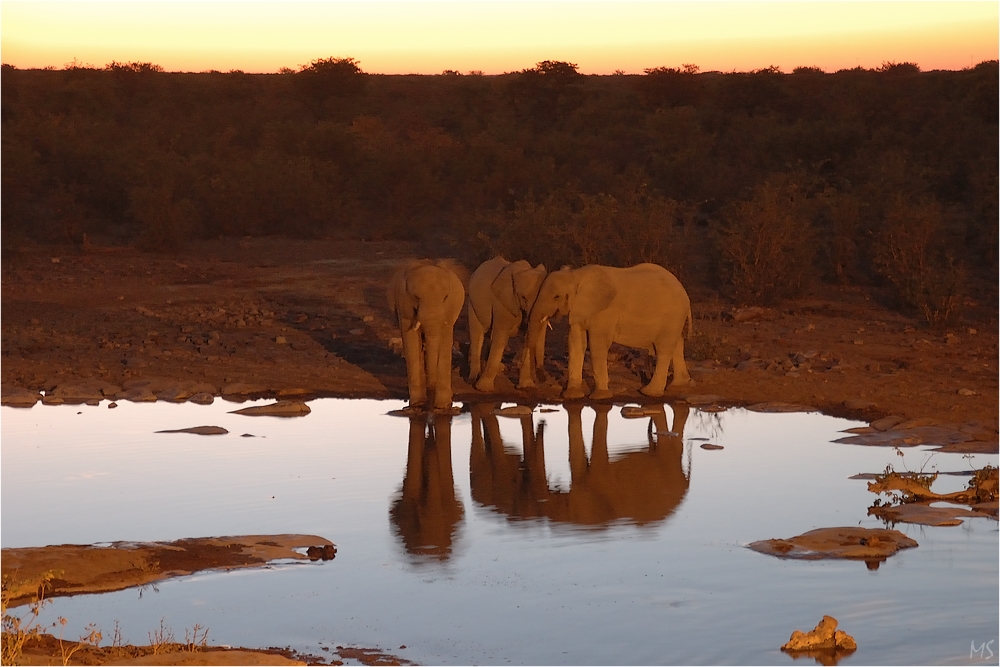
x=18, y=397
x=917, y=422
x=702, y=399
x=324, y=552
x=79, y=393
x=279, y=409
x=141, y=394
x=777, y=406
x=203, y=398
x=746, y=314
x=823, y=638
x=869, y=544
x=280, y=340
x=710, y=446
x=922, y=513
x=293, y=391
x=243, y=389
x=886, y=423
x=908, y=437
x=967, y=392
x=368, y=318
x=514, y=411
x=638, y=412
x=199, y=430
x=112, y=405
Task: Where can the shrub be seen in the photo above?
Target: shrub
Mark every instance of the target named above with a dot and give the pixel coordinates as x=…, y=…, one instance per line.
x=765, y=246
x=912, y=253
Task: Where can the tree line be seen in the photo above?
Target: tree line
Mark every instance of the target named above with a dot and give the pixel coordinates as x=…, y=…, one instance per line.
x=757, y=184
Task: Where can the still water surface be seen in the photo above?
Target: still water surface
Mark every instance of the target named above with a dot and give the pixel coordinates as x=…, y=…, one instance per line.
x=568, y=537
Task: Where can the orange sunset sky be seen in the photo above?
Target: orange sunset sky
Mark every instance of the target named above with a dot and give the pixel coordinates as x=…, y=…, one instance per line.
x=494, y=37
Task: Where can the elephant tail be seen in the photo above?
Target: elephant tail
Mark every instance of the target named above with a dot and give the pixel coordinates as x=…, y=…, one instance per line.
x=690, y=322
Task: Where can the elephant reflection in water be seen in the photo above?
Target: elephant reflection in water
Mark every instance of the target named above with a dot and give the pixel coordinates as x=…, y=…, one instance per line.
x=642, y=487
x=427, y=511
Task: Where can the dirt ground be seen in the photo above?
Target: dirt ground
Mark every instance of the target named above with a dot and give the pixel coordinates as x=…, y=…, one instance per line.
x=277, y=317
x=266, y=317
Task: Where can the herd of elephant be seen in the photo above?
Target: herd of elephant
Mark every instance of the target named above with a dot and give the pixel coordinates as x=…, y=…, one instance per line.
x=642, y=306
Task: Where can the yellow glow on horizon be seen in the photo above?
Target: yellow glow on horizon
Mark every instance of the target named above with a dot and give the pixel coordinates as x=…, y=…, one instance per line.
x=495, y=37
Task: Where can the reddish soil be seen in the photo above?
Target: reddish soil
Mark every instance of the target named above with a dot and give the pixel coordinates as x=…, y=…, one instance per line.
x=276, y=317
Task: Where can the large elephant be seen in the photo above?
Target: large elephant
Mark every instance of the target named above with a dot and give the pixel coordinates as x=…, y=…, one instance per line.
x=643, y=306
x=501, y=293
x=427, y=297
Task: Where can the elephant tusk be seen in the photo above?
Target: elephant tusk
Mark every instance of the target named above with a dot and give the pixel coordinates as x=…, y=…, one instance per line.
x=415, y=326
x=548, y=324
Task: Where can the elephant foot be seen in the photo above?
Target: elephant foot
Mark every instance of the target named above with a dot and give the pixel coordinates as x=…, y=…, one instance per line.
x=651, y=391
x=574, y=393
x=601, y=394
x=447, y=410
x=527, y=385
x=682, y=382
x=485, y=385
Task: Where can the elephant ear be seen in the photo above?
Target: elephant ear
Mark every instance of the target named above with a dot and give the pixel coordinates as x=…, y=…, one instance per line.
x=594, y=292
x=503, y=290
x=526, y=286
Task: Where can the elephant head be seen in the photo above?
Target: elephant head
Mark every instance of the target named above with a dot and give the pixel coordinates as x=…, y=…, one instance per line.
x=500, y=294
x=427, y=297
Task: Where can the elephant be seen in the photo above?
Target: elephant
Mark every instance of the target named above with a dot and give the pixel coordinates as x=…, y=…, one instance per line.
x=501, y=293
x=427, y=297
x=427, y=512
x=643, y=306
x=643, y=487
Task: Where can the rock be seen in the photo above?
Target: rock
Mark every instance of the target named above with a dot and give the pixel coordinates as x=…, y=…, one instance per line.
x=824, y=636
x=280, y=340
x=917, y=422
x=710, y=446
x=324, y=552
x=910, y=437
x=885, y=423
x=514, y=411
x=141, y=394
x=849, y=542
x=638, y=412
x=858, y=404
x=293, y=391
x=79, y=393
x=199, y=430
x=243, y=389
x=368, y=318
x=356, y=332
x=746, y=314
x=922, y=513
x=967, y=392
x=279, y=409
x=777, y=406
x=203, y=398
x=702, y=399
x=18, y=397
x=112, y=404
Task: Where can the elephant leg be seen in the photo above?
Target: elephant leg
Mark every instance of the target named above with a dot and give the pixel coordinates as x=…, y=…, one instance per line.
x=477, y=333
x=575, y=388
x=599, y=346
x=414, y=353
x=526, y=378
x=659, y=379
x=681, y=375
x=498, y=342
x=442, y=389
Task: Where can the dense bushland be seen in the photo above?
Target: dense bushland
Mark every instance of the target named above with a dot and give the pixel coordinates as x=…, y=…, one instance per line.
x=757, y=184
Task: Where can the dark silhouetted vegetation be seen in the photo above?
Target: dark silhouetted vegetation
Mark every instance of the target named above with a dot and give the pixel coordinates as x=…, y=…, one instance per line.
x=757, y=184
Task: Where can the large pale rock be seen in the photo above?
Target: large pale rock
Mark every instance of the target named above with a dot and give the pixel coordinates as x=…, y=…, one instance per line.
x=279, y=409
x=825, y=636
x=848, y=542
x=198, y=430
x=18, y=397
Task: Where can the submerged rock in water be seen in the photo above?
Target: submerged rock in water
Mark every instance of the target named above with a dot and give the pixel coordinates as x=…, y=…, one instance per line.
x=199, y=430
x=279, y=409
x=19, y=397
x=868, y=544
x=514, y=411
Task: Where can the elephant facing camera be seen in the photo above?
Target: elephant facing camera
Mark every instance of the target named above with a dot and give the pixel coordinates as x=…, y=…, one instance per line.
x=427, y=297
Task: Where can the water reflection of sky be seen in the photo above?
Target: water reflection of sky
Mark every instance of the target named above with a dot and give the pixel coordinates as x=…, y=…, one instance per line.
x=518, y=581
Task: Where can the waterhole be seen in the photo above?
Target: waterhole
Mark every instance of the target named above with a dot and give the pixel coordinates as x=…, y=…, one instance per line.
x=567, y=536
